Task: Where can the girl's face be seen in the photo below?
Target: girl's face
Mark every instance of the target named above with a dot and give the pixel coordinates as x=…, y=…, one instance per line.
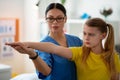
x=92, y=37
x=56, y=20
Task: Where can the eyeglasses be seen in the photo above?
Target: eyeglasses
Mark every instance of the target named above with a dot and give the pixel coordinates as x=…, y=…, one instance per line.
x=58, y=19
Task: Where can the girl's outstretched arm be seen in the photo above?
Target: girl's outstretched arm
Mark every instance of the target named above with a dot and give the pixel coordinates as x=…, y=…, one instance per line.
x=46, y=47
x=40, y=65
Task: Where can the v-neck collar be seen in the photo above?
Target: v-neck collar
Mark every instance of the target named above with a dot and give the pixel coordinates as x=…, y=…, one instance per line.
x=67, y=40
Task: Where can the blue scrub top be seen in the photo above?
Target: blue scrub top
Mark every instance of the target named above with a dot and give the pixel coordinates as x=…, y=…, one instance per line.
x=62, y=68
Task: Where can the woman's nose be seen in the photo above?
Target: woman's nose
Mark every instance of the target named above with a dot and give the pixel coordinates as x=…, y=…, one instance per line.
x=55, y=21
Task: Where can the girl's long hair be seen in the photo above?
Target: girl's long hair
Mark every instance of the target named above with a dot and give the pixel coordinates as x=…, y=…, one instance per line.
x=108, y=56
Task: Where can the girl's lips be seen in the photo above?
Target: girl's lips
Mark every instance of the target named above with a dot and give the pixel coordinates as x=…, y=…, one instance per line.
x=87, y=43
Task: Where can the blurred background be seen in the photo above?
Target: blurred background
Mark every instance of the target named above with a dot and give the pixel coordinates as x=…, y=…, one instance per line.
x=32, y=27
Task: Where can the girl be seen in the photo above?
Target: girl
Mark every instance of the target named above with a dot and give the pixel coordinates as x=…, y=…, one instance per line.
x=94, y=60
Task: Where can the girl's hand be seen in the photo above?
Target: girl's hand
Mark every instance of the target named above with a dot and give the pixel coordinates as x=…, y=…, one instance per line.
x=21, y=47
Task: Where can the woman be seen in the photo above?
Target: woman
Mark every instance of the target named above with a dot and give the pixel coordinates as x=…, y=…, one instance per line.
x=94, y=61
x=56, y=17
x=53, y=67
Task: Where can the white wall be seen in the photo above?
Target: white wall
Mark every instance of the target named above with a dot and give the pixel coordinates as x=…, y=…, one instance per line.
x=31, y=20
x=93, y=8
x=27, y=13
x=14, y=9
x=31, y=28
x=75, y=8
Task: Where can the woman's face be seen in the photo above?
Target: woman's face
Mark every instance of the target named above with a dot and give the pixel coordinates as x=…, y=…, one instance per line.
x=56, y=20
x=92, y=37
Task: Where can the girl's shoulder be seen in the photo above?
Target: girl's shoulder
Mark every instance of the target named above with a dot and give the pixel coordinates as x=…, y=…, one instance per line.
x=76, y=53
x=117, y=61
x=76, y=50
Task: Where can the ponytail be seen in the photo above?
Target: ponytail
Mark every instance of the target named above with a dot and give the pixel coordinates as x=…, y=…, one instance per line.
x=109, y=52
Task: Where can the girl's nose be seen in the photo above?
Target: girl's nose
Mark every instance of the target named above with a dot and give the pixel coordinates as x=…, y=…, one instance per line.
x=86, y=37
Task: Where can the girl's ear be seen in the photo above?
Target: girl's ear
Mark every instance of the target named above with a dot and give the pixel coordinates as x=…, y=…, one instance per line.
x=103, y=35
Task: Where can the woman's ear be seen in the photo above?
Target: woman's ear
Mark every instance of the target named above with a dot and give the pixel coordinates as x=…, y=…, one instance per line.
x=65, y=19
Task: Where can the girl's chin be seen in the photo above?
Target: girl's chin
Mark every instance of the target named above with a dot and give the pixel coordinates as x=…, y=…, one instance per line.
x=88, y=46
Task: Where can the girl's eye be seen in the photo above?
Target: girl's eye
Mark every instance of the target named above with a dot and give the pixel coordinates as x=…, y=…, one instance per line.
x=84, y=33
x=91, y=34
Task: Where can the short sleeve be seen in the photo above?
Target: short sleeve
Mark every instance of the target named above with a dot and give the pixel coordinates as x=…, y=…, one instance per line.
x=76, y=53
x=47, y=58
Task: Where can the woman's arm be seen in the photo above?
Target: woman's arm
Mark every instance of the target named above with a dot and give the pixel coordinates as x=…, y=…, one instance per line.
x=41, y=66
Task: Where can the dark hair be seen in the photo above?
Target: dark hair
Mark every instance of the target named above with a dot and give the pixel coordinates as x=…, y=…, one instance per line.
x=57, y=6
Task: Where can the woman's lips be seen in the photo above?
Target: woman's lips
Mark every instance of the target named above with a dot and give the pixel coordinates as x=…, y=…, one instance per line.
x=55, y=27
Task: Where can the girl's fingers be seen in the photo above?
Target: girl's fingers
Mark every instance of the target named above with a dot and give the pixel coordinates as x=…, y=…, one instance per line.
x=11, y=44
x=14, y=44
x=20, y=47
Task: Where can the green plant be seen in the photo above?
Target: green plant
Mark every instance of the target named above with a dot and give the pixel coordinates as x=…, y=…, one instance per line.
x=63, y=1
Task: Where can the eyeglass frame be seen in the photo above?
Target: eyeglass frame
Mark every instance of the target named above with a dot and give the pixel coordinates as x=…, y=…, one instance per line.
x=53, y=19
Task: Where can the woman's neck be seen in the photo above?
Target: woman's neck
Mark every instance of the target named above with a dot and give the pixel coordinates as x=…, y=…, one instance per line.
x=60, y=38
x=57, y=36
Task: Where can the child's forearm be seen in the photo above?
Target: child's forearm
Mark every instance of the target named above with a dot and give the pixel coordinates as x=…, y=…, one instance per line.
x=42, y=46
x=51, y=48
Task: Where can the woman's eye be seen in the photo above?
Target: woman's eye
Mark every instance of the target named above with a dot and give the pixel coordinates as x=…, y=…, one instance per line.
x=51, y=18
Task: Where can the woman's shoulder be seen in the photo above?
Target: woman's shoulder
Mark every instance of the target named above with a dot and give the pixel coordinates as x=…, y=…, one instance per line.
x=49, y=39
x=73, y=38
x=46, y=39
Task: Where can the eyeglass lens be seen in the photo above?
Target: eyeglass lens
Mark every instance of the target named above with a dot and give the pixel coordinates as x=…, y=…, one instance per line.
x=59, y=19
